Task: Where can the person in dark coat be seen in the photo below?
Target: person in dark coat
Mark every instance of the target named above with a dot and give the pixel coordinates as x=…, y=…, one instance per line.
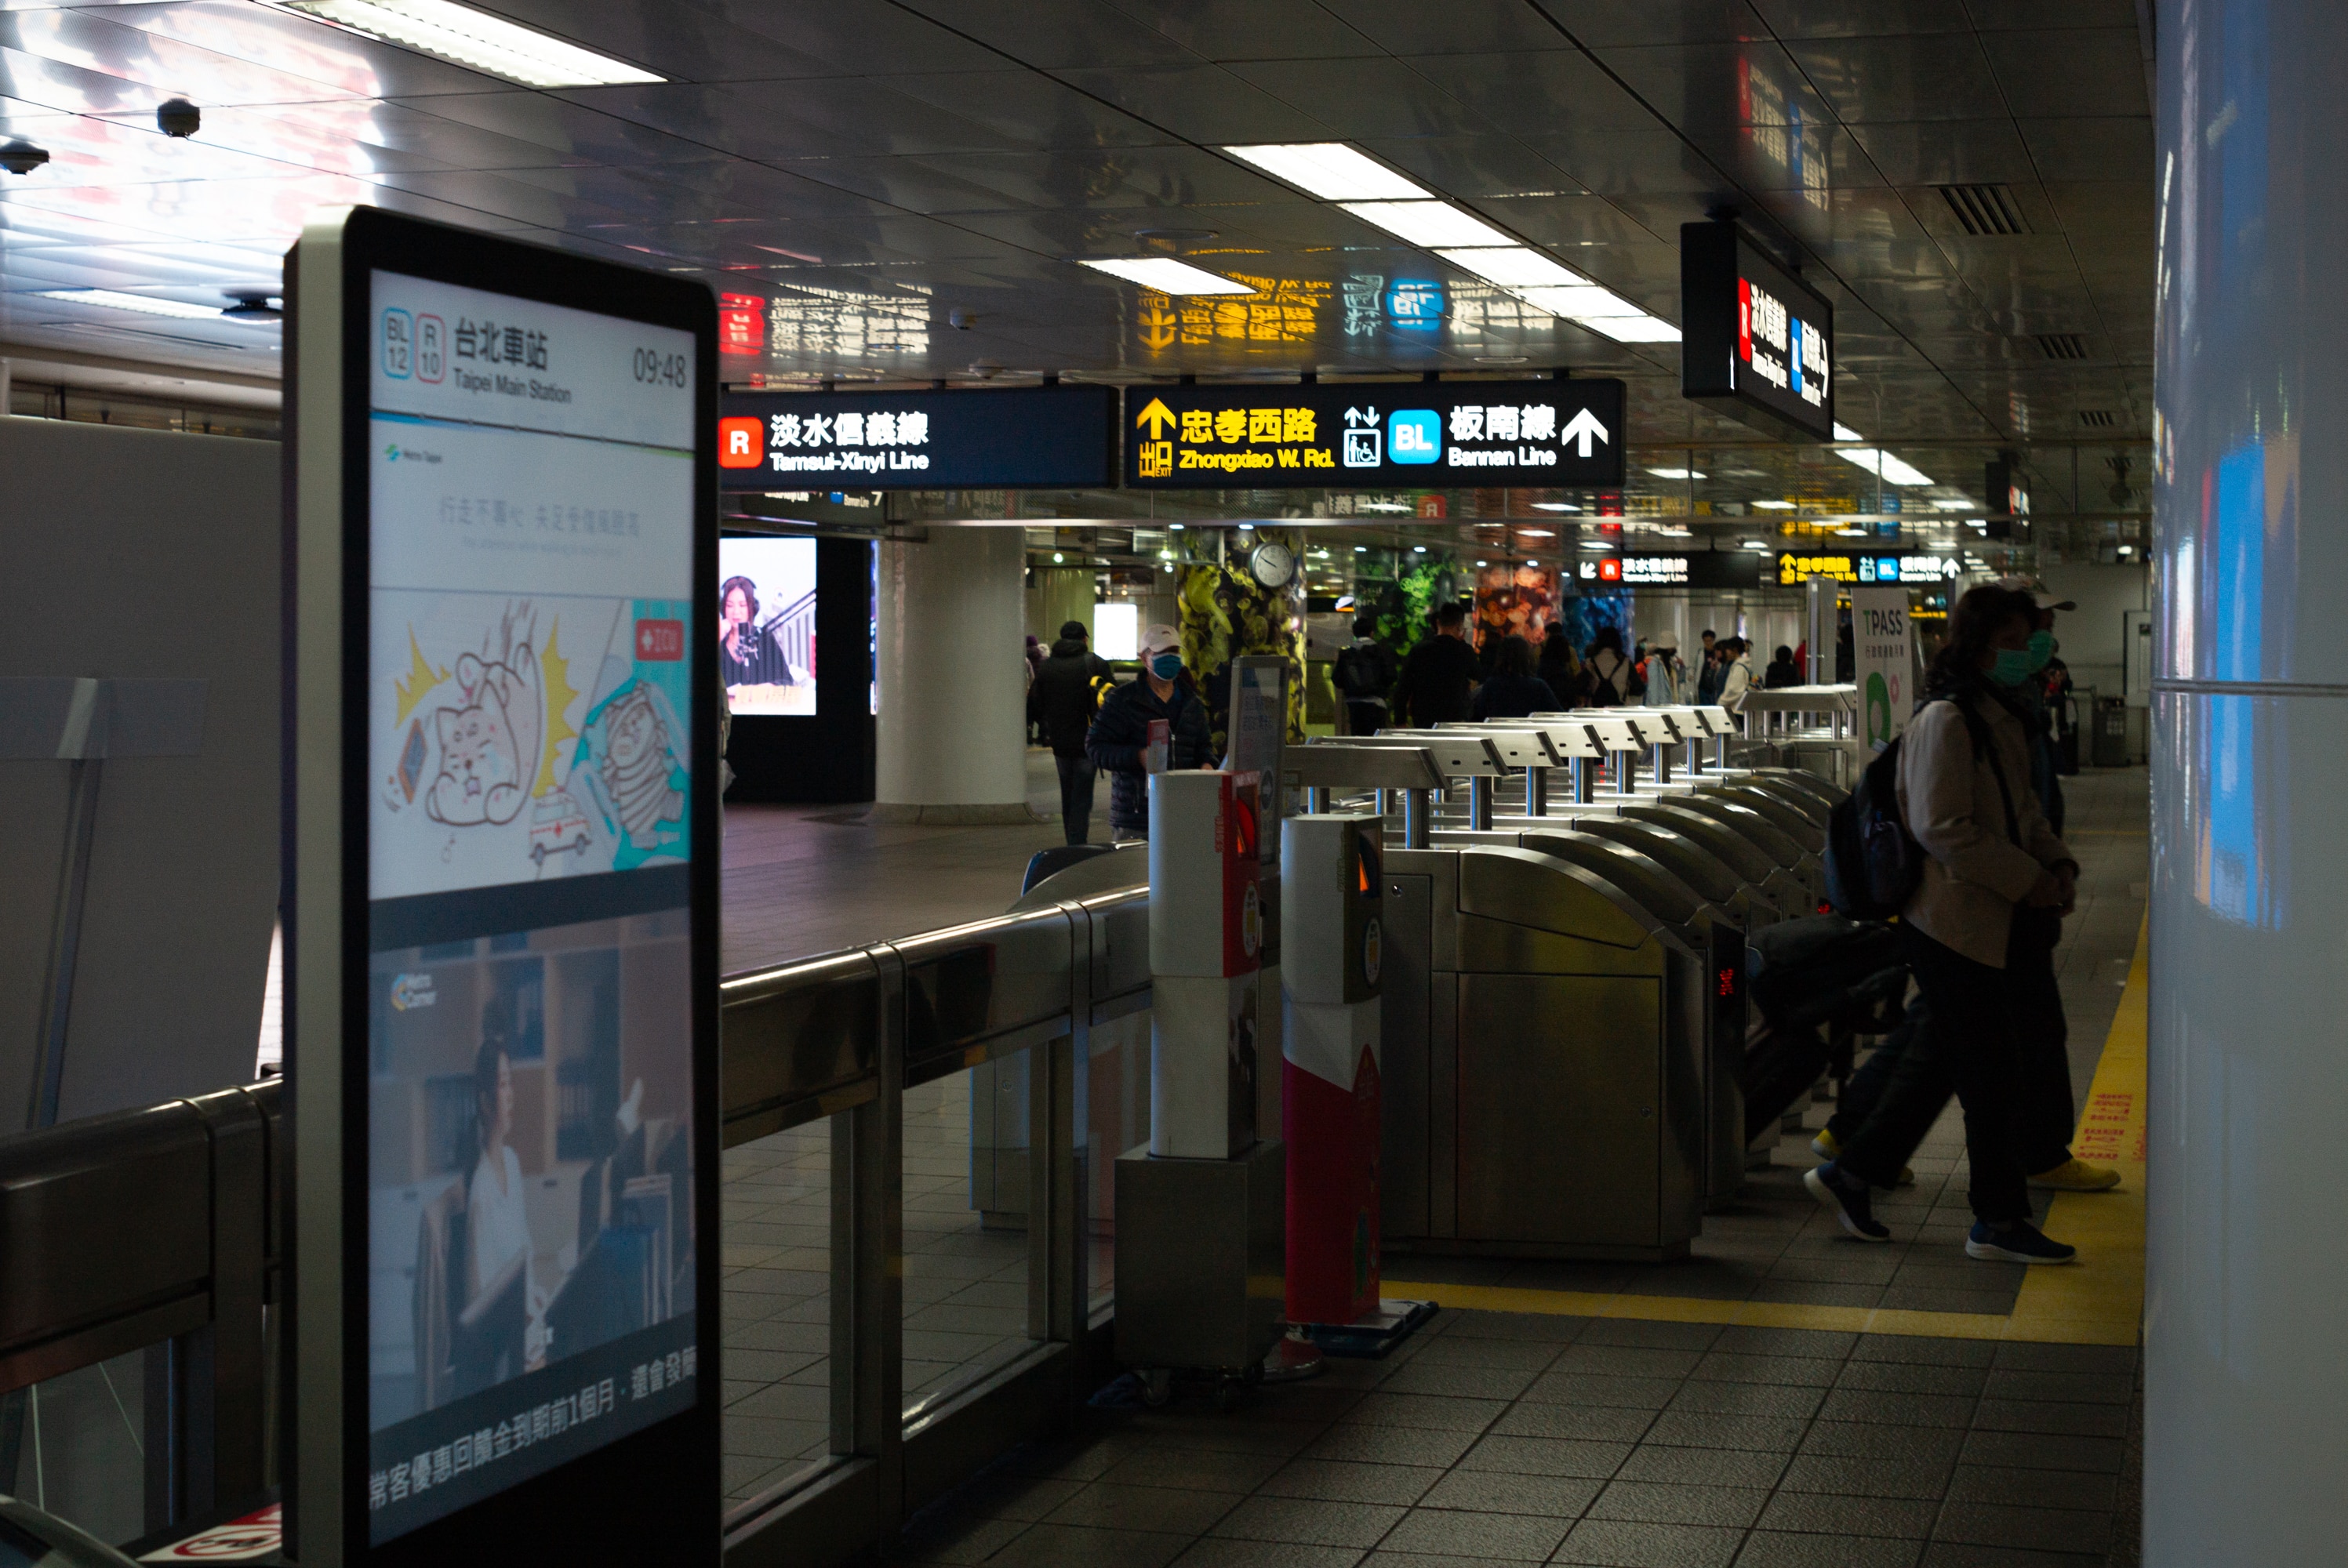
x=1068, y=689
x=1559, y=666
x=1364, y=674
x=1782, y=672
x=1118, y=742
x=1439, y=676
x=1513, y=692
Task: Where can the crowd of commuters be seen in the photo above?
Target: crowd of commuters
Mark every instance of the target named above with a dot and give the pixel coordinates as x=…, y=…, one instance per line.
x=1977, y=787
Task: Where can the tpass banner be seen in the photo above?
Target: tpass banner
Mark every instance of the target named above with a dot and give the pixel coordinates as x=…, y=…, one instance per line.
x=1883, y=645
x=1427, y=434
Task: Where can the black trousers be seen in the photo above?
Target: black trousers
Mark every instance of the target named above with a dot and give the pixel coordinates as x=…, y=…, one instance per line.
x=1077, y=775
x=1991, y=1040
x=1365, y=718
x=2048, y=1114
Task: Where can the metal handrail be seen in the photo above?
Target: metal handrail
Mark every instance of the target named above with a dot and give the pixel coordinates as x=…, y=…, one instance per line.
x=184, y=1195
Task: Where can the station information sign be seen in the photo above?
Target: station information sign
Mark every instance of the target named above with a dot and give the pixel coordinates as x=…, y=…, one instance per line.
x=1755, y=343
x=1427, y=433
x=501, y=953
x=1699, y=569
x=1062, y=437
x=1794, y=568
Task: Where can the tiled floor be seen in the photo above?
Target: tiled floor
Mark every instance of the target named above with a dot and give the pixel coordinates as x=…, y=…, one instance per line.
x=805, y=879
x=1499, y=1439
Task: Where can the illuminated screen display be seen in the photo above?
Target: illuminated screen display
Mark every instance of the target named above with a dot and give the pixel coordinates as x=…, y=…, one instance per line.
x=765, y=625
x=530, y=1221
x=1755, y=343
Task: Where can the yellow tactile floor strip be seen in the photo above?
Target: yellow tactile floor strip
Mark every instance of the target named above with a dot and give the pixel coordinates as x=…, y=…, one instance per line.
x=2099, y=1300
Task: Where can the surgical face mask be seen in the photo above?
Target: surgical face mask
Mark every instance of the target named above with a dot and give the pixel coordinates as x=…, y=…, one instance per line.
x=1165, y=665
x=2012, y=667
x=2042, y=649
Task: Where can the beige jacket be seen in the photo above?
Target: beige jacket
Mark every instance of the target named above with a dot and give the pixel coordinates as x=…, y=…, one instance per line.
x=1977, y=872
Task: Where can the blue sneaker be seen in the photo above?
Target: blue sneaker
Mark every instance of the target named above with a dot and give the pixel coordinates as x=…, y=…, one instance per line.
x=2020, y=1242
x=1850, y=1199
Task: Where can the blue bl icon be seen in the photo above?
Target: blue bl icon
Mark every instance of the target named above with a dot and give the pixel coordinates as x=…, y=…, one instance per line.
x=1414, y=435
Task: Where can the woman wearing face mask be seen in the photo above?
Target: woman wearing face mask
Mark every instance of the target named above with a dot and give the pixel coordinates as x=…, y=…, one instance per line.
x=1977, y=934
x=1118, y=742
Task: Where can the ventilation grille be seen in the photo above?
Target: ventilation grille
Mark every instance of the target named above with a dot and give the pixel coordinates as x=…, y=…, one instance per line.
x=1984, y=209
x=2098, y=418
x=2063, y=345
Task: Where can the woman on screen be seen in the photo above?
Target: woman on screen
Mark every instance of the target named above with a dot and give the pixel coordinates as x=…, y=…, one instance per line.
x=497, y=1221
x=746, y=657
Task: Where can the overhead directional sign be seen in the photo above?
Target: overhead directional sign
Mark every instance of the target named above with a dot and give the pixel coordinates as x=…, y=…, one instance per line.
x=1041, y=437
x=1412, y=433
x=1837, y=566
x=1753, y=342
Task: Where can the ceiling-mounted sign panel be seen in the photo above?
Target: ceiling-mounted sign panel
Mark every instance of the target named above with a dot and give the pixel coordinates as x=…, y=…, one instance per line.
x=1423, y=435
x=1701, y=568
x=1038, y=437
x=1755, y=343
x=1794, y=566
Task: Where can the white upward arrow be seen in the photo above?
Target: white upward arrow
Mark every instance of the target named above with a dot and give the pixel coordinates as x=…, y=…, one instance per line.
x=1582, y=426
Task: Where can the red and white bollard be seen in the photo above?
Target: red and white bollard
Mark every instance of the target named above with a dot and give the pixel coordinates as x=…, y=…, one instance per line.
x=1331, y=938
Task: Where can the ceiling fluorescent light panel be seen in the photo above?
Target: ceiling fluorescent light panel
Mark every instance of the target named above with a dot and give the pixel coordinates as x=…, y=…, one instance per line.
x=1514, y=266
x=113, y=300
x=1436, y=225
x=1331, y=171
x=1632, y=329
x=1166, y=274
x=475, y=39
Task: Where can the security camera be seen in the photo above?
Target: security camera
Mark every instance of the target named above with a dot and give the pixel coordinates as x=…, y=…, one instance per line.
x=961, y=320
x=252, y=305
x=179, y=117
x=22, y=157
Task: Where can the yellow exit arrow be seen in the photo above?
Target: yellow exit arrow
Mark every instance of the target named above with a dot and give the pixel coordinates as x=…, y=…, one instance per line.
x=1158, y=417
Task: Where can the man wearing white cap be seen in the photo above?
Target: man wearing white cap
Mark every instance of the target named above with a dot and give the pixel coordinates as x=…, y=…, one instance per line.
x=1118, y=742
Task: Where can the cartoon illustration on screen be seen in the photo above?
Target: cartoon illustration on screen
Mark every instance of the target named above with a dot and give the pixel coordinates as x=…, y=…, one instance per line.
x=488, y=747
x=630, y=748
x=517, y=744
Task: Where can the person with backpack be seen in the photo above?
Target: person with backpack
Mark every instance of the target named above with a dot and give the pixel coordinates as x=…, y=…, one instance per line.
x=1559, y=668
x=1980, y=916
x=1364, y=674
x=1605, y=671
x=1068, y=692
x=1512, y=691
x=1735, y=675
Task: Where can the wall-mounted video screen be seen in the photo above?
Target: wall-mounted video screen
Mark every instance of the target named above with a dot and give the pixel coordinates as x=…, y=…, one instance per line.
x=766, y=624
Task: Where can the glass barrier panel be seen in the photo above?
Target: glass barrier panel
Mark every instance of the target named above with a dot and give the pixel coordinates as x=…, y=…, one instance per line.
x=967, y=1250
x=776, y=1234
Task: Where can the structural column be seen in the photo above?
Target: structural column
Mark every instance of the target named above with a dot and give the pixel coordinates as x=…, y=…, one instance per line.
x=950, y=744
x=2246, y=1365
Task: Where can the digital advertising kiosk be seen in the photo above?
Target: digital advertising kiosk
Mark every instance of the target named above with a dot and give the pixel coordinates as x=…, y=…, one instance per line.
x=502, y=914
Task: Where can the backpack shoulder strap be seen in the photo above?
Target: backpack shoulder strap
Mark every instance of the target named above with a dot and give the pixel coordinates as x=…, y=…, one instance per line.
x=1978, y=729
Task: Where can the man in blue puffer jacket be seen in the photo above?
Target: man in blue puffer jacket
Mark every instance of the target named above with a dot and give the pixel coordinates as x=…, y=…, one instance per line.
x=1118, y=742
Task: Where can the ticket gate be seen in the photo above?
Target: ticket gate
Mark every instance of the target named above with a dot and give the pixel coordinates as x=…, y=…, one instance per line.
x=1716, y=1022
x=1544, y=1079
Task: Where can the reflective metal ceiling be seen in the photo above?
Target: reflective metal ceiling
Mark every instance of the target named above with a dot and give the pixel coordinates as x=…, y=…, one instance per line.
x=867, y=169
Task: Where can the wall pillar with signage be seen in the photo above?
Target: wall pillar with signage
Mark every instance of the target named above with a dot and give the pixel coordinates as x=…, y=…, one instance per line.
x=950, y=745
